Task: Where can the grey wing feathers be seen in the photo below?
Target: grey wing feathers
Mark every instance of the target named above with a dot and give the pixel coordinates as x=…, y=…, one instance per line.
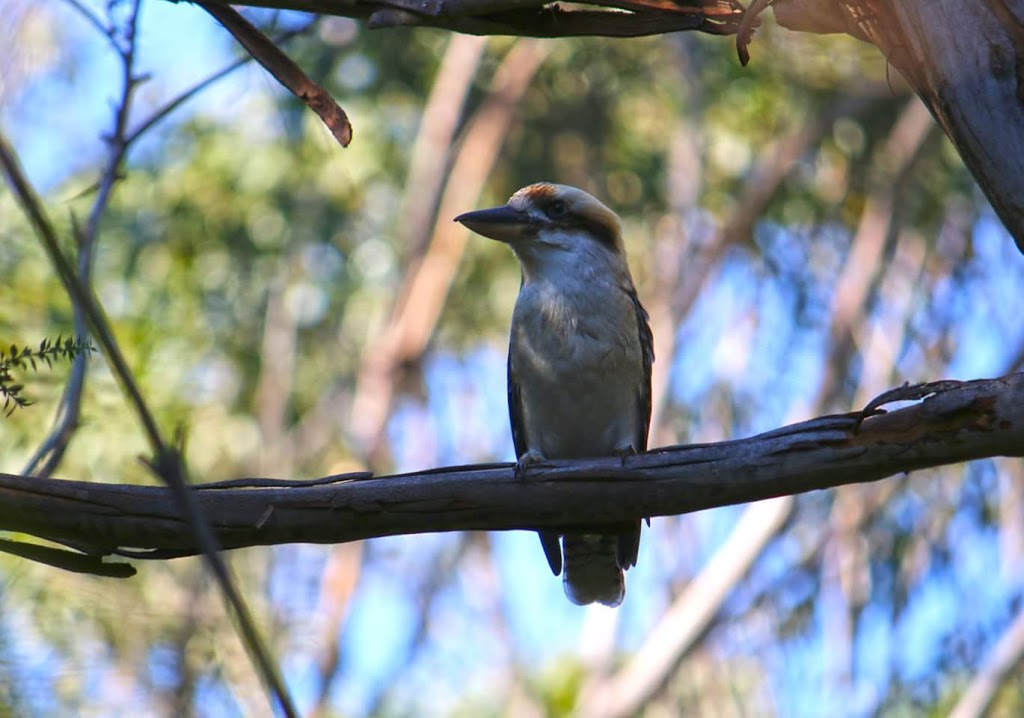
x=647, y=355
x=548, y=539
x=628, y=544
x=515, y=412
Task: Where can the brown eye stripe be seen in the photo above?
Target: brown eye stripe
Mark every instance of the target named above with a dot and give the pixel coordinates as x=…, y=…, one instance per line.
x=581, y=211
x=600, y=231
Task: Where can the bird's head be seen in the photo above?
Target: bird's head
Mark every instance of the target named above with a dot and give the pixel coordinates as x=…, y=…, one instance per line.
x=545, y=220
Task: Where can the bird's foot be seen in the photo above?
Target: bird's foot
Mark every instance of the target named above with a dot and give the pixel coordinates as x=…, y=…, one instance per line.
x=530, y=458
x=623, y=452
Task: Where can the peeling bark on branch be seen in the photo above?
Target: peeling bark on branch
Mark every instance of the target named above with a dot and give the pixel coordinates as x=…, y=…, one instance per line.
x=958, y=422
x=530, y=18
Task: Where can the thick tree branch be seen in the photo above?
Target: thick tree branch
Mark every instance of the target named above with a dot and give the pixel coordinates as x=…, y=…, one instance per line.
x=529, y=18
x=959, y=422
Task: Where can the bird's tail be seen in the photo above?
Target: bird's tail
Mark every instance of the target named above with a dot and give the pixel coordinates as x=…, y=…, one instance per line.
x=594, y=565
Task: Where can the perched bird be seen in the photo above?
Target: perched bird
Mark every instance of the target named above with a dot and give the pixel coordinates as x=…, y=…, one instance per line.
x=579, y=361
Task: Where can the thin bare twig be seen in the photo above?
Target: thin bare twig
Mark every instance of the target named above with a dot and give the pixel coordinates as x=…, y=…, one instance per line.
x=745, y=31
x=48, y=455
x=67, y=560
x=50, y=452
x=93, y=19
x=80, y=295
x=167, y=462
x=191, y=92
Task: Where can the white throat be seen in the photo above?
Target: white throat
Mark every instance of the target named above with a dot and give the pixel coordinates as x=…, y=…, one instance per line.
x=560, y=254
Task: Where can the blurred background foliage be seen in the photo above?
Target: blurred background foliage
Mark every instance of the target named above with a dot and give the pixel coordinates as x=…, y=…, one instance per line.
x=802, y=234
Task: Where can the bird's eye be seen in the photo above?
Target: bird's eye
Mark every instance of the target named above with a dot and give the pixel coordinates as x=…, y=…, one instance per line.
x=556, y=209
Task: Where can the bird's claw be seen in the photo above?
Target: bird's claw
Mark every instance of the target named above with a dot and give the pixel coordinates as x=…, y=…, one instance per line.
x=625, y=451
x=530, y=458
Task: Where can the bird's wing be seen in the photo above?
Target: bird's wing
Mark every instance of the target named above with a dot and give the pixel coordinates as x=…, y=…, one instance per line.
x=628, y=544
x=548, y=539
x=515, y=412
x=643, y=414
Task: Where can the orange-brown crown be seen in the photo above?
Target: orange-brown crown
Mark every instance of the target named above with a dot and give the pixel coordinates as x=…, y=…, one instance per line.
x=569, y=207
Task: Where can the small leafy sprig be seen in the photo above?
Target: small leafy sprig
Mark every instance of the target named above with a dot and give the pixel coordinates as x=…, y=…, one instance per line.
x=49, y=351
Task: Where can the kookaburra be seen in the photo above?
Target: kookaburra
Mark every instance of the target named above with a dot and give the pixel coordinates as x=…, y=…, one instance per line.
x=579, y=361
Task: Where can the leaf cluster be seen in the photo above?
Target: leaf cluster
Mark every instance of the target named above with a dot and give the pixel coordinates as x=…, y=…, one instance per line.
x=23, y=358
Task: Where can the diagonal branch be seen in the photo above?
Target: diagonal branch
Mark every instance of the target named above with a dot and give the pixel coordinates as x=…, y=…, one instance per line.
x=166, y=462
x=961, y=421
x=284, y=70
x=123, y=39
x=189, y=93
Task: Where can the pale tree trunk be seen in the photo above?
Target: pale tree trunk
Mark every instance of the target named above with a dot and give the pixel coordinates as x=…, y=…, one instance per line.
x=965, y=58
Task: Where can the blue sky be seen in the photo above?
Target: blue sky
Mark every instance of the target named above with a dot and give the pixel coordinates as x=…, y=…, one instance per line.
x=62, y=114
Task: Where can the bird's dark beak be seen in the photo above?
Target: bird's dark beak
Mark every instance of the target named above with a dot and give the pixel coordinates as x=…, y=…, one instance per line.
x=504, y=223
